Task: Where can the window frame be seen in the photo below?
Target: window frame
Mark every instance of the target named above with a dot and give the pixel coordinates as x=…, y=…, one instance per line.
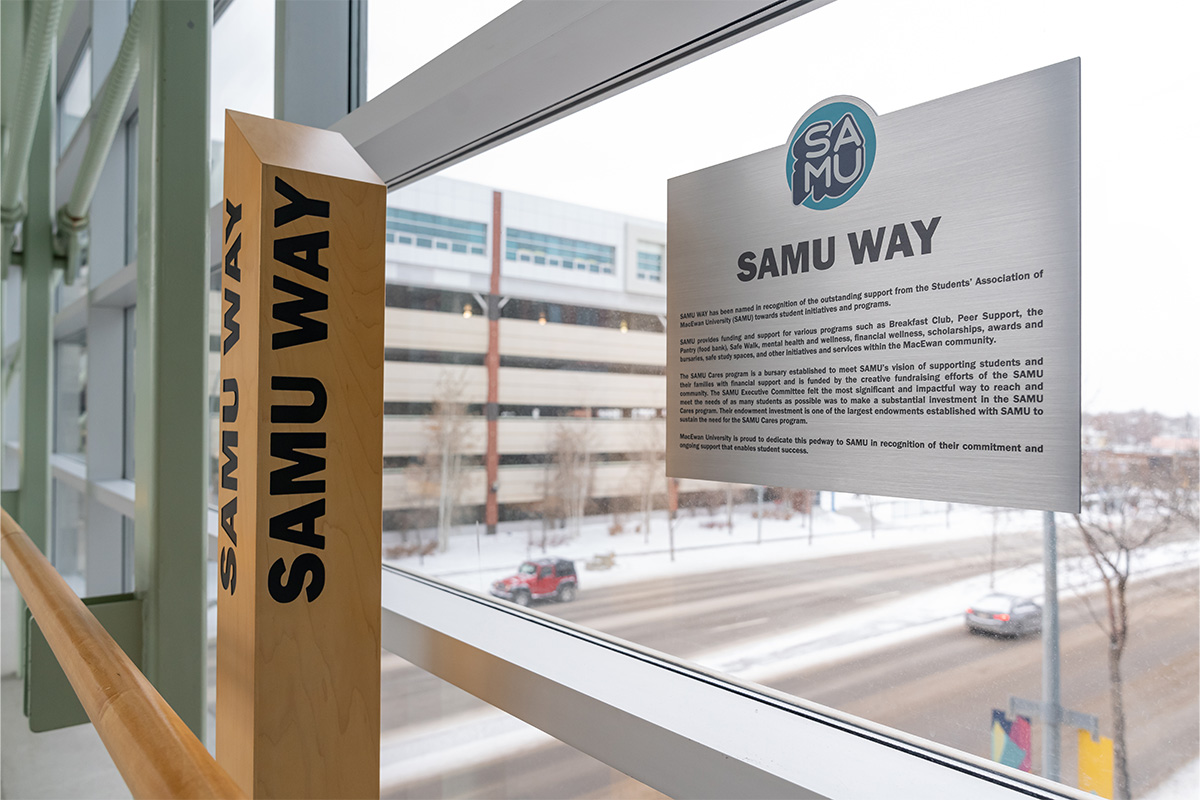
x=644, y=713
x=651, y=716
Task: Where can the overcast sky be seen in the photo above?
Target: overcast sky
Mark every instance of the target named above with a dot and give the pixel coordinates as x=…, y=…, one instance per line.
x=1139, y=73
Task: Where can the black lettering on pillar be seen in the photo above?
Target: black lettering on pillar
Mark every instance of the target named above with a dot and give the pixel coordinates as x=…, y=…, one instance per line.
x=228, y=560
x=232, y=328
x=229, y=569
x=235, y=216
x=297, y=205
x=298, y=525
x=305, y=414
x=289, y=445
x=301, y=252
x=229, y=440
x=304, y=253
x=304, y=565
x=293, y=312
x=229, y=411
x=231, y=259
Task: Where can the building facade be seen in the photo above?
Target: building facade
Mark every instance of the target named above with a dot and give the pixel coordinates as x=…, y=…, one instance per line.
x=582, y=292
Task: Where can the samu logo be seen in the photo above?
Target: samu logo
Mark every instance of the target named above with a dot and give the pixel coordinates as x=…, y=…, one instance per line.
x=830, y=153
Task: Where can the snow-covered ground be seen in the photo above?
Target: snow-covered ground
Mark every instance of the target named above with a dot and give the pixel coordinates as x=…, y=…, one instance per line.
x=1183, y=785
x=705, y=543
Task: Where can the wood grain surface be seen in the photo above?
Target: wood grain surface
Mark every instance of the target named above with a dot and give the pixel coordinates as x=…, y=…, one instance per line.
x=298, y=637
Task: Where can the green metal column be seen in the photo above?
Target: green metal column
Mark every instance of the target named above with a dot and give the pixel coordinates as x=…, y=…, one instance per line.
x=171, y=439
x=37, y=335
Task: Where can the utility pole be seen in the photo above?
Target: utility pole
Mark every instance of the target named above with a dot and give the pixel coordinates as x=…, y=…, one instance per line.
x=492, y=360
x=1051, y=688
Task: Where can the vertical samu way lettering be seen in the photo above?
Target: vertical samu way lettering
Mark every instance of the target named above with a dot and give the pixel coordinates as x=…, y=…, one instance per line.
x=295, y=300
x=229, y=411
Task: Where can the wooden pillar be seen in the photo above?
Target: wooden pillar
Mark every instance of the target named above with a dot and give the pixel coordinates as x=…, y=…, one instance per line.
x=298, y=632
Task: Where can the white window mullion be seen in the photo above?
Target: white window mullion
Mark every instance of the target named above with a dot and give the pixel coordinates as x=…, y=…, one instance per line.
x=680, y=728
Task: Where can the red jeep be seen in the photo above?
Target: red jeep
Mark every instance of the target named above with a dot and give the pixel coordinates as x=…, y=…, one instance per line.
x=540, y=579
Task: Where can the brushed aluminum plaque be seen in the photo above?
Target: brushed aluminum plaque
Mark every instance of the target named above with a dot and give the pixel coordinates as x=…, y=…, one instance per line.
x=887, y=305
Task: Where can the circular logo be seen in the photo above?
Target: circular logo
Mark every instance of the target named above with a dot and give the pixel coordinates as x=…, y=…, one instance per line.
x=830, y=153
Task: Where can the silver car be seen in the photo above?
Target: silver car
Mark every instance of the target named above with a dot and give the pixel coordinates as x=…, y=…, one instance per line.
x=1004, y=615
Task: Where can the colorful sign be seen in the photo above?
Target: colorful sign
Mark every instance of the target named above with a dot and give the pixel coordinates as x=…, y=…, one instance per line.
x=1095, y=764
x=1012, y=741
x=830, y=153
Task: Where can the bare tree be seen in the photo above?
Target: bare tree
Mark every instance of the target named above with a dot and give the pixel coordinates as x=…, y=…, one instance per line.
x=1133, y=501
x=672, y=508
x=997, y=512
x=568, y=483
x=418, y=497
x=649, y=469
x=440, y=470
x=729, y=507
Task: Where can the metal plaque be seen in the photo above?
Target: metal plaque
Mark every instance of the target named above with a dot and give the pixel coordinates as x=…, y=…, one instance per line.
x=887, y=304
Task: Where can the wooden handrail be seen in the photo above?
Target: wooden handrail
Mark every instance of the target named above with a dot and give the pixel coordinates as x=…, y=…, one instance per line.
x=156, y=754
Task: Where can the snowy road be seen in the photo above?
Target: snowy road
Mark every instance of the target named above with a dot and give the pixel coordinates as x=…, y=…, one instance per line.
x=791, y=625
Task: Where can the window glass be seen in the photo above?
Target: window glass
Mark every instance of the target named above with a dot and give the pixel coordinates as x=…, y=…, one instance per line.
x=68, y=546
x=570, y=253
x=10, y=326
x=131, y=188
x=10, y=335
x=853, y=601
x=243, y=79
x=76, y=99
x=242, y=74
x=130, y=405
x=128, y=554
x=216, y=307
x=388, y=23
x=448, y=233
x=70, y=396
x=67, y=293
x=650, y=258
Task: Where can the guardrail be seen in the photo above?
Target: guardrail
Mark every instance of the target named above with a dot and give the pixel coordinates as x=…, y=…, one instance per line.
x=155, y=752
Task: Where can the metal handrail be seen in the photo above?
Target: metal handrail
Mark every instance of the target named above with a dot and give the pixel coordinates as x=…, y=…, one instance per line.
x=155, y=752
